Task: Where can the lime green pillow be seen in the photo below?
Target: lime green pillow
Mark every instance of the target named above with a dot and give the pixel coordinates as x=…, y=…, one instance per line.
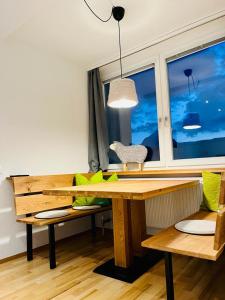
x=112, y=178
x=82, y=180
x=96, y=178
x=106, y=201
x=211, y=190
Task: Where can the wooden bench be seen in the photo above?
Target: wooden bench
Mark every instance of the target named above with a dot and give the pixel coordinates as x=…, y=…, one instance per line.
x=207, y=247
x=30, y=200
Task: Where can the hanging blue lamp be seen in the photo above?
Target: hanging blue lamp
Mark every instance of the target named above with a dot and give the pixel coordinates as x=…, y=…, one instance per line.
x=192, y=119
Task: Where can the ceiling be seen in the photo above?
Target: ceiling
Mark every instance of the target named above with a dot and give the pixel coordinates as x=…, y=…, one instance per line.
x=67, y=28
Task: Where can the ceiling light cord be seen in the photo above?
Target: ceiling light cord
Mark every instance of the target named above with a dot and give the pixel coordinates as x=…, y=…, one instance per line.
x=96, y=14
x=118, y=14
x=121, y=66
x=189, y=89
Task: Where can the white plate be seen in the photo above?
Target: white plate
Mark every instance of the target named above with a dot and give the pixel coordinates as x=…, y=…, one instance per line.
x=202, y=227
x=52, y=214
x=87, y=207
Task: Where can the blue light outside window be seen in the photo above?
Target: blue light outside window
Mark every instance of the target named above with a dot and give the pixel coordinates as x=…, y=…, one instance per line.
x=205, y=104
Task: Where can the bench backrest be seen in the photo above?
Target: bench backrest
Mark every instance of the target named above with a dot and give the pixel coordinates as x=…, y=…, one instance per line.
x=222, y=190
x=28, y=192
x=219, y=239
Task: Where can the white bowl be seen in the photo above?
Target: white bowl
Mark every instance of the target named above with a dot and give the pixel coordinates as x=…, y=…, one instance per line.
x=201, y=227
x=57, y=213
x=86, y=207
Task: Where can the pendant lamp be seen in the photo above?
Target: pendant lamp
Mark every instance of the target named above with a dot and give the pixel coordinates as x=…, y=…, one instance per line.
x=192, y=119
x=122, y=91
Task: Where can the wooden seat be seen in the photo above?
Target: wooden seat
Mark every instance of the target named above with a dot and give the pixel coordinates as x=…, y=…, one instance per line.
x=73, y=214
x=30, y=200
x=172, y=240
x=208, y=247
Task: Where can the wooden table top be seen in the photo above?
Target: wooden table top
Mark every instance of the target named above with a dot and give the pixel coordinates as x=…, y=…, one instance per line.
x=127, y=189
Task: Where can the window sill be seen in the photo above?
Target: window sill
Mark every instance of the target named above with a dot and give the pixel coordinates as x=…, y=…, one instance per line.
x=187, y=172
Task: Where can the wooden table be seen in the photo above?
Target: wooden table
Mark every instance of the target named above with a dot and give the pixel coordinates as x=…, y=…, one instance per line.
x=129, y=221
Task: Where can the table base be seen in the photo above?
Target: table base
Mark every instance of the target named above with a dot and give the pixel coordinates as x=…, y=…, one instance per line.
x=139, y=267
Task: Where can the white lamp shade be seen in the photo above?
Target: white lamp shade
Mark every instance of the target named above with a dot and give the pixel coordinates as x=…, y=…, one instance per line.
x=122, y=93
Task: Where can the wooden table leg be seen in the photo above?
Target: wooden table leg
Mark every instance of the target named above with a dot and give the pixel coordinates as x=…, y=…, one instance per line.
x=138, y=226
x=129, y=229
x=121, y=230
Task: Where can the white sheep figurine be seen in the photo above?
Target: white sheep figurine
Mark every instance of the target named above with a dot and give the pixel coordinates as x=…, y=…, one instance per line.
x=130, y=154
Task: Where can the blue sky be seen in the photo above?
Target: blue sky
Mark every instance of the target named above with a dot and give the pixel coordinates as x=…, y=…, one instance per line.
x=208, y=99
x=144, y=115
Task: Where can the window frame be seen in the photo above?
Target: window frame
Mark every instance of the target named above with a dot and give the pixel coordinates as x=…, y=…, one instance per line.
x=159, y=62
x=153, y=63
x=164, y=59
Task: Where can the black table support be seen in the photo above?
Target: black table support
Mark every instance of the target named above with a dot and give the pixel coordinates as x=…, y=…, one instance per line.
x=51, y=236
x=169, y=276
x=139, y=267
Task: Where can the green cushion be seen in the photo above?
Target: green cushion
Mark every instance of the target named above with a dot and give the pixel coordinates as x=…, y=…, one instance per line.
x=112, y=178
x=96, y=178
x=106, y=201
x=82, y=180
x=211, y=190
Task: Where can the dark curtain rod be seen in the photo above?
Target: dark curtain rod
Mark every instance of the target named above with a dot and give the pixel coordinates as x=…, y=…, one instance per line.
x=163, y=40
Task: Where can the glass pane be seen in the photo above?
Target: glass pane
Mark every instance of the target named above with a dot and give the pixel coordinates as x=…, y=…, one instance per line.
x=137, y=125
x=198, y=107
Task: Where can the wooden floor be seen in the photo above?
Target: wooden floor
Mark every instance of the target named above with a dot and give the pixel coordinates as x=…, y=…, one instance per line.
x=73, y=278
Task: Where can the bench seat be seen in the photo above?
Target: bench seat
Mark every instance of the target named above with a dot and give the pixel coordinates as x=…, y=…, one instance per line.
x=29, y=200
x=73, y=214
x=174, y=241
x=208, y=247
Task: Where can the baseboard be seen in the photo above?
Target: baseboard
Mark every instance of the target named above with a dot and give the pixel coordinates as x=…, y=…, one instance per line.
x=6, y=259
x=9, y=258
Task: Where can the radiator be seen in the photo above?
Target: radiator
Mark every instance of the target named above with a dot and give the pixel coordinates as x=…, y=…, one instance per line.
x=166, y=210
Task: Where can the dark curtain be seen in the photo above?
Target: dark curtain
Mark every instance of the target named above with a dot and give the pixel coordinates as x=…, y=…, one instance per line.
x=98, y=135
x=113, y=124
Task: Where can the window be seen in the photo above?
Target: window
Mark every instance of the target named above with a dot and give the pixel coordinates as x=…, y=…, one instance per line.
x=191, y=108
x=197, y=103
x=137, y=125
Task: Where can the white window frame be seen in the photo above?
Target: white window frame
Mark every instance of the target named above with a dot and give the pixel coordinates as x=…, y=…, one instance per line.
x=194, y=47
x=159, y=62
x=151, y=63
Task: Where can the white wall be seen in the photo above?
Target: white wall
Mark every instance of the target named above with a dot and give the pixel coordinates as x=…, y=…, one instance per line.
x=43, y=130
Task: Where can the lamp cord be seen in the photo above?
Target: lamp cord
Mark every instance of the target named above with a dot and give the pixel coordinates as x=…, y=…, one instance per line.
x=195, y=82
x=121, y=66
x=96, y=14
x=189, y=90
